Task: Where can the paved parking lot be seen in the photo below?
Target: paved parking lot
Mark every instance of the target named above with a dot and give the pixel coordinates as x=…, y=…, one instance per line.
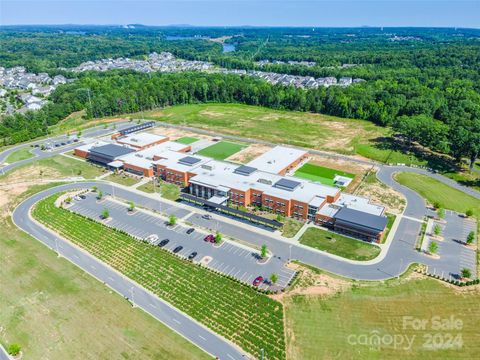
x=454, y=255
x=230, y=258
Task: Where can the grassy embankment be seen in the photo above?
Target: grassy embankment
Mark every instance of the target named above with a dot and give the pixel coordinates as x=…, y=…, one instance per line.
x=241, y=314
x=435, y=191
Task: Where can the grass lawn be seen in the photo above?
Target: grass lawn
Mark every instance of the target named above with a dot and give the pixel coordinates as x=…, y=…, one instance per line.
x=288, y=127
x=122, y=179
x=339, y=245
x=167, y=190
x=54, y=310
x=56, y=166
x=322, y=326
x=320, y=174
x=22, y=154
x=241, y=314
x=390, y=220
x=186, y=140
x=291, y=227
x=433, y=190
x=221, y=150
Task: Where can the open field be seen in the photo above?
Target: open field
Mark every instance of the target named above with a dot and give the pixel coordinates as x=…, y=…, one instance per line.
x=433, y=190
x=234, y=310
x=186, y=140
x=221, y=150
x=56, y=166
x=287, y=127
x=320, y=326
x=320, y=174
x=53, y=310
x=340, y=245
x=121, y=179
x=18, y=155
x=167, y=190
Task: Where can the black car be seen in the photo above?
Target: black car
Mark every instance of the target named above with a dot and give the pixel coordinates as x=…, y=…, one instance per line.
x=63, y=144
x=177, y=249
x=192, y=255
x=83, y=197
x=189, y=231
x=163, y=242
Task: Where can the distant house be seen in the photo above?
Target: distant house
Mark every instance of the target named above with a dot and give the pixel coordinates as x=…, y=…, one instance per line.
x=59, y=79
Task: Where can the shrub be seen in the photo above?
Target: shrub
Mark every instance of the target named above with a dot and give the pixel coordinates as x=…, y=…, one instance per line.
x=13, y=349
x=466, y=273
x=433, y=247
x=469, y=212
x=437, y=204
x=470, y=237
x=172, y=220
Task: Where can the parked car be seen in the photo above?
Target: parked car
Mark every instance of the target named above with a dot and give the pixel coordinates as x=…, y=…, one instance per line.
x=163, y=242
x=209, y=238
x=189, y=231
x=192, y=255
x=258, y=280
x=83, y=197
x=77, y=198
x=207, y=217
x=177, y=249
x=151, y=238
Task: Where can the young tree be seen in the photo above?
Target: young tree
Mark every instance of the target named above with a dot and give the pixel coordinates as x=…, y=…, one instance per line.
x=100, y=195
x=68, y=200
x=105, y=213
x=470, y=237
x=466, y=273
x=469, y=212
x=274, y=278
x=264, y=251
x=13, y=349
x=441, y=213
x=172, y=220
x=131, y=206
x=437, y=204
x=218, y=237
x=94, y=188
x=437, y=230
x=79, y=133
x=433, y=247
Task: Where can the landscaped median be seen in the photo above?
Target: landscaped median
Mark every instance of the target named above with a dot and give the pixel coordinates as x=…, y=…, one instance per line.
x=340, y=245
x=234, y=310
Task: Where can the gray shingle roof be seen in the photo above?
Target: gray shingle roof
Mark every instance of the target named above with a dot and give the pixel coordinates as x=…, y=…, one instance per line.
x=111, y=150
x=361, y=218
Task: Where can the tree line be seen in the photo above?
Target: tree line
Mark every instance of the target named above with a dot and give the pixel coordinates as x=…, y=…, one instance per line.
x=445, y=121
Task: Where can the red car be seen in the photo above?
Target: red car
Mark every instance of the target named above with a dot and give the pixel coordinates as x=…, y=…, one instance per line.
x=209, y=238
x=258, y=280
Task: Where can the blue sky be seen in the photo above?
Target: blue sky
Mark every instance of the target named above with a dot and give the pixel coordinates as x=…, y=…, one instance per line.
x=245, y=12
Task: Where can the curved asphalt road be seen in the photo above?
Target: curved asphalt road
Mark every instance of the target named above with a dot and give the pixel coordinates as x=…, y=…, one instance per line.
x=170, y=316
x=39, y=154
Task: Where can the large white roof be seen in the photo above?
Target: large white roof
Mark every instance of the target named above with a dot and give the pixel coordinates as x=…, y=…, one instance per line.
x=276, y=159
x=144, y=158
x=141, y=139
x=88, y=146
x=222, y=174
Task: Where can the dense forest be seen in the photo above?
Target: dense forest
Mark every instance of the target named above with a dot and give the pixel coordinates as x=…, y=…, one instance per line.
x=425, y=83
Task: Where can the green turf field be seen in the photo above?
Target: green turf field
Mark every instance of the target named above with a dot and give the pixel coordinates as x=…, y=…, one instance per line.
x=320, y=174
x=186, y=140
x=221, y=150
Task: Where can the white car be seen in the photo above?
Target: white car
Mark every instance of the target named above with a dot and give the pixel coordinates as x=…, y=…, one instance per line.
x=152, y=238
